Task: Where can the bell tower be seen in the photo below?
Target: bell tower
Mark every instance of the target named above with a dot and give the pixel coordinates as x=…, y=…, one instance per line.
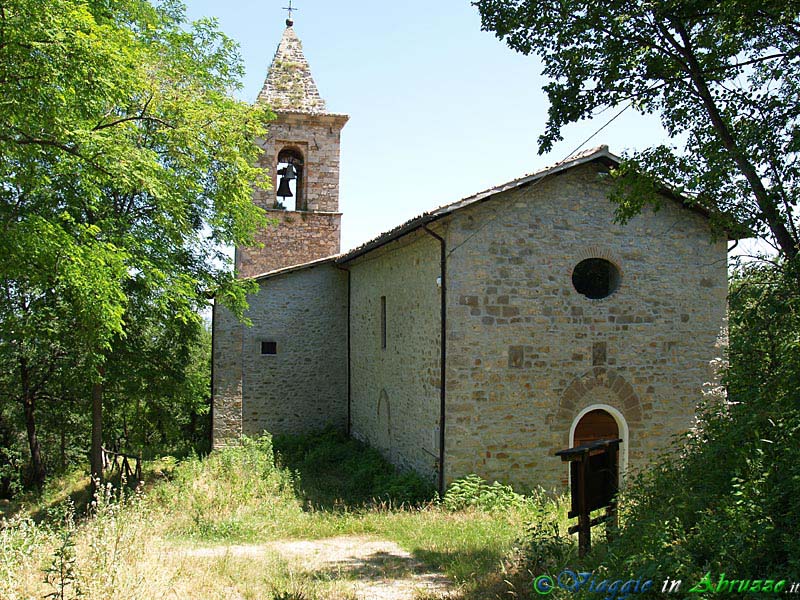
x=301, y=154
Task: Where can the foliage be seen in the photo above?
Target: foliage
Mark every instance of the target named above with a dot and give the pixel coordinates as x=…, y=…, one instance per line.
x=234, y=494
x=724, y=77
x=547, y=547
x=20, y=538
x=10, y=458
x=158, y=391
x=61, y=572
x=334, y=470
x=125, y=166
x=474, y=492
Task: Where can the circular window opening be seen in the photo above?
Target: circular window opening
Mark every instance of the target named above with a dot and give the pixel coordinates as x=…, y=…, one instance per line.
x=596, y=278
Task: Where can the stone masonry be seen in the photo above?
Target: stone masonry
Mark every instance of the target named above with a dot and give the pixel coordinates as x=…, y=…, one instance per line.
x=226, y=382
x=526, y=352
x=302, y=387
x=289, y=84
x=395, y=390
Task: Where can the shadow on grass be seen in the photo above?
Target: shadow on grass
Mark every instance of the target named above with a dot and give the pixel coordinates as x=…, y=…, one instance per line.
x=387, y=574
x=39, y=506
x=378, y=565
x=334, y=472
x=456, y=561
x=483, y=574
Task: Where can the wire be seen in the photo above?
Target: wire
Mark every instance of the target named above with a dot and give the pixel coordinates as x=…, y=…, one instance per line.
x=538, y=181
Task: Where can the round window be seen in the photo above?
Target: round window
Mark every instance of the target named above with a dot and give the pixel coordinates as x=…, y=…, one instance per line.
x=596, y=278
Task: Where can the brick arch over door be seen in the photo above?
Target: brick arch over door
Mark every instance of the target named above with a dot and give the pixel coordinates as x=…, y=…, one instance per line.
x=600, y=386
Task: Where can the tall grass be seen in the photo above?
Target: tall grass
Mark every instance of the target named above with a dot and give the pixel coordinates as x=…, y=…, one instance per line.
x=235, y=495
x=166, y=542
x=334, y=471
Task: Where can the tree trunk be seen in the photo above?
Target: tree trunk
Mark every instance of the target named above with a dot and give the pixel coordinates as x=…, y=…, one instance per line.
x=788, y=245
x=29, y=409
x=97, y=431
x=63, y=448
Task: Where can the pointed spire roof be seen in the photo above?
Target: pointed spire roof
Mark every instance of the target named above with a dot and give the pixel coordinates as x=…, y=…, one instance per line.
x=289, y=84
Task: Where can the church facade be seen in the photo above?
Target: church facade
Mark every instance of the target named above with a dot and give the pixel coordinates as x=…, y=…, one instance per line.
x=480, y=337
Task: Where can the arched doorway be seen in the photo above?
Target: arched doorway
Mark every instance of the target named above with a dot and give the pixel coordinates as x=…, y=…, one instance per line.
x=601, y=421
x=595, y=425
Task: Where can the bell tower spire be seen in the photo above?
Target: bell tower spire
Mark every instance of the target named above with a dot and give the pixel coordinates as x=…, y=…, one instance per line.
x=301, y=154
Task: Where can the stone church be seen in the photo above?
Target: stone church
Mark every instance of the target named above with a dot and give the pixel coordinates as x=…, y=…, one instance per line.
x=480, y=337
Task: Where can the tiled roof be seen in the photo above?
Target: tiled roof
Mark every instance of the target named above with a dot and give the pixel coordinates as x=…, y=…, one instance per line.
x=599, y=153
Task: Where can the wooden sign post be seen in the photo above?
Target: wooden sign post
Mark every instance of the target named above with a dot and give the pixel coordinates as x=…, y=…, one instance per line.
x=594, y=479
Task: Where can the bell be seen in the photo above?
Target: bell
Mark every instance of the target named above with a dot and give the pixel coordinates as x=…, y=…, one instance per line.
x=290, y=172
x=283, y=188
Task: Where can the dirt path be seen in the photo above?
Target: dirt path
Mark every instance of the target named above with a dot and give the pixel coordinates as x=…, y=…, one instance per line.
x=375, y=569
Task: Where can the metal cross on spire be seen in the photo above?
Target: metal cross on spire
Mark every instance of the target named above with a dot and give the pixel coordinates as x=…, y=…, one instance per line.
x=290, y=8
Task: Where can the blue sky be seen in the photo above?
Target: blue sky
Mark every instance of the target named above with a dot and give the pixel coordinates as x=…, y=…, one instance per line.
x=438, y=108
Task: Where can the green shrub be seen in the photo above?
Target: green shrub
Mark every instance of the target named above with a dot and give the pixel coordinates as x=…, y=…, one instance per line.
x=231, y=494
x=547, y=547
x=474, y=492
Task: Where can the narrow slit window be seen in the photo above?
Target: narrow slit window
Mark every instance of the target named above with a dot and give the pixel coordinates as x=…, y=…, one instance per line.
x=383, y=322
x=269, y=348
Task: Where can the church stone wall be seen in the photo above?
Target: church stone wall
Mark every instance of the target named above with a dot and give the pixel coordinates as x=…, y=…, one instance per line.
x=527, y=353
x=303, y=387
x=226, y=425
x=293, y=238
x=395, y=391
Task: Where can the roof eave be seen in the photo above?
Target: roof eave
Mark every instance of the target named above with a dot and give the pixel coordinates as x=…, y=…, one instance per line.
x=601, y=154
x=291, y=269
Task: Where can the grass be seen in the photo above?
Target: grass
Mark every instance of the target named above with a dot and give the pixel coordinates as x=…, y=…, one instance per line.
x=207, y=527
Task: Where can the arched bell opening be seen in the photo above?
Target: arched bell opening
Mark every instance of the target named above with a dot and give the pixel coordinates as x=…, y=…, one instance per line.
x=291, y=178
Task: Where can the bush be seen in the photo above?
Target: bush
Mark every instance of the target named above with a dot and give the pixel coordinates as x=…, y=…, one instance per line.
x=474, y=492
x=231, y=494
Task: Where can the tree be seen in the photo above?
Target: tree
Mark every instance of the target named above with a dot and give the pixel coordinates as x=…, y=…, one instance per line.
x=124, y=165
x=56, y=288
x=159, y=388
x=724, y=76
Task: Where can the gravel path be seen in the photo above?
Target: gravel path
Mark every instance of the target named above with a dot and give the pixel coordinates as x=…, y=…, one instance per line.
x=378, y=569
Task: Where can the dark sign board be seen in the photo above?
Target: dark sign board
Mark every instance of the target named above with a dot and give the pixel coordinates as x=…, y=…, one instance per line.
x=594, y=477
x=600, y=480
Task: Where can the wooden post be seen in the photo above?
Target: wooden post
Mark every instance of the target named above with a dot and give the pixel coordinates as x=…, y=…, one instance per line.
x=584, y=524
x=603, y=490
x=611, y=510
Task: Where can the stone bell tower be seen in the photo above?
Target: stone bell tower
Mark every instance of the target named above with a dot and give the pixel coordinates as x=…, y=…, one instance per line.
x=304, y=201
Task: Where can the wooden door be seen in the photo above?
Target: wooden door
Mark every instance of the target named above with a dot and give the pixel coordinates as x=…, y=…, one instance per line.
x=595, y=425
